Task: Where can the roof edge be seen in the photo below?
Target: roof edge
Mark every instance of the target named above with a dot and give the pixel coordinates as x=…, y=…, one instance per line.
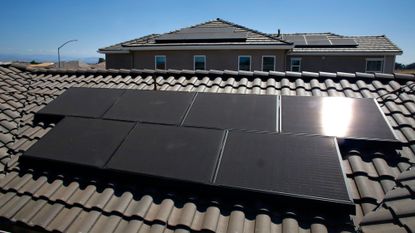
x=226, y=73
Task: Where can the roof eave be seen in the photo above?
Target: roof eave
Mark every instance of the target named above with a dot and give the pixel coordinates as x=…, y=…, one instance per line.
x=346, y=53
x=120, y=51
x=206, y=47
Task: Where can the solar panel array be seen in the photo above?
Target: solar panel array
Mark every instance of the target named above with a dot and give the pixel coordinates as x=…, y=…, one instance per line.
x=320, y=41
x=203, y=34
x=241, y=142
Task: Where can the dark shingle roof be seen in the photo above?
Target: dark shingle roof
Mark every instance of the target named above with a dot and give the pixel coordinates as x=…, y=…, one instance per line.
x=253, y=37
x=366, y=44
x=380, y=181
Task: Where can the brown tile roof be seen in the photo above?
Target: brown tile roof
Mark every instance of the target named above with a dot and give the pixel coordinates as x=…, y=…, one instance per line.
x=253, y=37
x=46, y=198
x=366, y=44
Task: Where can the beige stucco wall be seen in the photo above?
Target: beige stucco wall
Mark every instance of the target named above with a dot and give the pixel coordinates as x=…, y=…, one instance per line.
x=215, y=59
x=228, y=60
x=339, y=63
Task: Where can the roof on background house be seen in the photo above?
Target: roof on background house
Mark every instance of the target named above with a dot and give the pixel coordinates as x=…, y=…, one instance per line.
x=214, y=32
x=381, y=181
x=363, y=44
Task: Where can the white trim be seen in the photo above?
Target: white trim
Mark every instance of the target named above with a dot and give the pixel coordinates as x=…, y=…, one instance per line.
x=262, y=61
x=295, y=59
x=250, y=61
x=194, y=61
x=376, y=59
x=345, y=53
x=155, y=61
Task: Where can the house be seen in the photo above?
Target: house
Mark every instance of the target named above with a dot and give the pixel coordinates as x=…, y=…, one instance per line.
x=63, y=199
x=221, y=45
x=341, y=53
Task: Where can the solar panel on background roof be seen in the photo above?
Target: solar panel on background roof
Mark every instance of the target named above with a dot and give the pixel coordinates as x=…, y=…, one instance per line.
x=203, y=33
x=343, y=42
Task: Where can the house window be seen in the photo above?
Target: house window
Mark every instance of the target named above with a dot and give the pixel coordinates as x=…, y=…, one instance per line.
x=268, y=63
x=374, y=65
x=160, y=62
x=199, y=62
x=295, y=64
x=244, y=63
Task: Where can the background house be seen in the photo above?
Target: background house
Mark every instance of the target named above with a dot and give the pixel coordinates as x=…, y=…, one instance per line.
x=219, y=44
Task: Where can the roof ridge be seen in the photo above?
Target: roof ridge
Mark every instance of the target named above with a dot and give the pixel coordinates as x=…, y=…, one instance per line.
x=255, y=31
x=233, y=73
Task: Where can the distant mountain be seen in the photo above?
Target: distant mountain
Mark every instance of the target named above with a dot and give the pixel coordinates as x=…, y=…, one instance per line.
x=46, y=58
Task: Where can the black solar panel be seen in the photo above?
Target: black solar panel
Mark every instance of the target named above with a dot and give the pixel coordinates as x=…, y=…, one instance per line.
x=85, y=102
x=288, y=165
x=297, y=39
x=317, y=41
x=316, y=37
x=181, y=153
x=232, y=111
x=343, y=42
x=335, y=116
x=201, y=33
x=167, y=107
x=82, y=141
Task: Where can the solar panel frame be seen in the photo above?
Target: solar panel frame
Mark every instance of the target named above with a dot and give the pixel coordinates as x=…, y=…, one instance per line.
x=269, y=163
x=165, y=107
x=296, y=39
x=343, y=42
x=81, y=141
x=79, y=101
x=348, y=118
x=170, y=152
x=234, y=111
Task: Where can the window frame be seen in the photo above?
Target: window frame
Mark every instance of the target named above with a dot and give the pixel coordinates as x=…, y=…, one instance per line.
x=295, y=59
x=165, y=62
x=250, y=62
x=382, y=67
x=275, y=62
x=194, y=61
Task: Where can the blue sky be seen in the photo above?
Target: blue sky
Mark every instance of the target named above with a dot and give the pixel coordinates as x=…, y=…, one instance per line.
x=39, y=27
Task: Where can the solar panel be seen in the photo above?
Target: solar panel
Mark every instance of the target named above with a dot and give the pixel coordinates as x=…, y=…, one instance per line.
x=85, y=102
x=275, y=163
x=343, y=42
x=202, y=33
x=171, y=152
x=297, y=39
x=233, y=111
x=165, y=107
x=81, y=141
x=206, y=29
x=335, y=116
x=315, y=37
x=317, y=40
